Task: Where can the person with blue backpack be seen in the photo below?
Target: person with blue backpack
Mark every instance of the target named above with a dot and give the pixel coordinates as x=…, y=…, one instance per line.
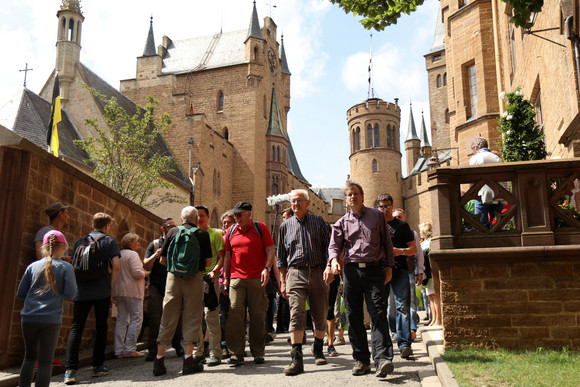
x=186, y=252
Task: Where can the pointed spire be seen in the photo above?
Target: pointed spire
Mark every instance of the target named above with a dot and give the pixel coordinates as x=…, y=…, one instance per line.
x=254, y=29
x=283, y=61
x=150, y=43
x=424, y=136
x=411, y=132
x=275, y=126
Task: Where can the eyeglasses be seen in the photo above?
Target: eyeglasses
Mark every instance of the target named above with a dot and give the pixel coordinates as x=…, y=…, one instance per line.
x=297, y=201
x=168, y=226
x=239, y=214
x=385, y=206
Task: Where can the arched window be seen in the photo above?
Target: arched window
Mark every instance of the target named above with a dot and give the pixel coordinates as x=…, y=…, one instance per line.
x=445, y=79
x=273, y=153
x=70, y=32
x=278, y=154
x=438, y=80
x=357, y=139
x=375, y=166
x=220, y=101
x=226, y=134
x=255, y=54
x=389, y=137
x=213, y=220
x=446, y=116
x=377, y=136
x=274, y=189
x=369, y=136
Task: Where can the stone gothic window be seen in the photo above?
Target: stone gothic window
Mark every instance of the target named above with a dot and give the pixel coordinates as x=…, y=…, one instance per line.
x=219, y=184
x=375, y=166
x=273, y=153
x=377, y=136
x=439, y=83
x=369, y=136
x=357, y=139
x=390, y=139
x=278, y=154
x=444, y=79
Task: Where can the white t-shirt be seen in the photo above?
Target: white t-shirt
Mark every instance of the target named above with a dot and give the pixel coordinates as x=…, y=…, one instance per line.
x=485, y=156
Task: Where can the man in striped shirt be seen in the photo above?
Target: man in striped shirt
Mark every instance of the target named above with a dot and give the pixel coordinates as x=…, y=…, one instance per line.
x=302, y=258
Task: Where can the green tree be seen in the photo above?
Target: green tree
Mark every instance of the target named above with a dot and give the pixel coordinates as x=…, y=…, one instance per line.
x=379, y=14
x=522, y=138
x=122, y=152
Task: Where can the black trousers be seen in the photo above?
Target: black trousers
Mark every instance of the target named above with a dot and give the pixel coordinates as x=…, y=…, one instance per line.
x=80, y=315
x=40, y=342
x=367, y=284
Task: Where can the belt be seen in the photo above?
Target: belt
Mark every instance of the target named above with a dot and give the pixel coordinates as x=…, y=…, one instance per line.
x=362, y=265
x=310, y=267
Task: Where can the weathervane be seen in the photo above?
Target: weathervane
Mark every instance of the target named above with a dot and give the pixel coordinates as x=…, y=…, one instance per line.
x=26, y=70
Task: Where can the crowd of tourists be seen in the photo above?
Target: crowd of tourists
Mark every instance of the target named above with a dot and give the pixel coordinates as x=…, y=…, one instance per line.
x=211, y=291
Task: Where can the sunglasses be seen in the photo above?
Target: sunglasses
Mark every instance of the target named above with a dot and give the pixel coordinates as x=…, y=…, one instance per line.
x=166, y=227
x=385, y=206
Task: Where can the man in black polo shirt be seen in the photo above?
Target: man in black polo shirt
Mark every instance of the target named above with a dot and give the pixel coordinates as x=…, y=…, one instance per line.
x=403, y=246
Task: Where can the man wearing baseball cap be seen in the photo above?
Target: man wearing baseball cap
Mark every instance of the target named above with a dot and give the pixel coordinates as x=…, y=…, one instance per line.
x=247, y=264
x=58, y=215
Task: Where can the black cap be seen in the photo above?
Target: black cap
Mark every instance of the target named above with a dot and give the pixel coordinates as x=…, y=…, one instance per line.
x=241, y=207
x=54, y=209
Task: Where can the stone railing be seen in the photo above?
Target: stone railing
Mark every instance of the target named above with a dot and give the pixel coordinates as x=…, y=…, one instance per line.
x=515, y=283
x=535, y=199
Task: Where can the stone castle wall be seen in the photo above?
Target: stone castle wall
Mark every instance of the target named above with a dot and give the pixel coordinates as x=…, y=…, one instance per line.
x=32, y=179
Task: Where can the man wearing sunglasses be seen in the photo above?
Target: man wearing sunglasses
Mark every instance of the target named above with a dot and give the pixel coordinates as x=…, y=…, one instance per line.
x=157, y=280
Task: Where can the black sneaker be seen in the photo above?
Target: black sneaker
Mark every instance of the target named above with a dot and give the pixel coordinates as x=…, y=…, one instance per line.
x=259, y=360
x=361, y=368
x=159, y=367
x=385, y=367
x=150, y=356
x=191, y=366
x=319, y=358
x=236, y=360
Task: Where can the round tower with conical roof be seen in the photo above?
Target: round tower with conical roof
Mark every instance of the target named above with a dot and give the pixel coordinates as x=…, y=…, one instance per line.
x=375, y=155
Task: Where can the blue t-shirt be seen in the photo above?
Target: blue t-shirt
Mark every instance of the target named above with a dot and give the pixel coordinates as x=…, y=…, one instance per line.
x=101, y=287
x=46, y=307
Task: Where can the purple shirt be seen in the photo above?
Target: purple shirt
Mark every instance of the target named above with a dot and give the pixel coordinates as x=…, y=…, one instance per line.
x=363, y=239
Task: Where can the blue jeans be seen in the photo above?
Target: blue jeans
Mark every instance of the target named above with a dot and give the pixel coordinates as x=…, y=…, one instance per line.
x=487, y=212
x=401, y=289
x=413, y=299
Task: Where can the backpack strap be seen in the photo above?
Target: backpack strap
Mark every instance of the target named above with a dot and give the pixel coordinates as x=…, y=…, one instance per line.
x=259, y=231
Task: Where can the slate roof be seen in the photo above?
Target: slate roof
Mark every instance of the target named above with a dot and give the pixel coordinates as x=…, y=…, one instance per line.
x=438, y=35
x=27, y=114
x=424, y=135
x=150, y=43
x=254, y=28
x=329, y=193
x=275, y=123
x=411, y=131
x=293, y=166
x=160, y=146
x=422, y=163
x=283, y=62
x=205, y=52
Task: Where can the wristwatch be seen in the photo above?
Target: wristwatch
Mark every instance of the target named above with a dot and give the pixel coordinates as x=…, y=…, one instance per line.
x=268, y=268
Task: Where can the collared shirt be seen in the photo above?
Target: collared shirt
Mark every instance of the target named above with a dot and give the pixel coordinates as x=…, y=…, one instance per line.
x=248, y=251
x=303, y=242
x=363, y=238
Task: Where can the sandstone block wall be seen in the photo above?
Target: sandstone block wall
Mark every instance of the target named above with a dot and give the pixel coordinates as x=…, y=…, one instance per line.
x=30, y=180
x=516, y=298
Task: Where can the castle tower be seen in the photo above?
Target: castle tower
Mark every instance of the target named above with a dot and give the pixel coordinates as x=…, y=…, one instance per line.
x=412, y=143
x=68, y=45
x=425, y=145
x=375, y=157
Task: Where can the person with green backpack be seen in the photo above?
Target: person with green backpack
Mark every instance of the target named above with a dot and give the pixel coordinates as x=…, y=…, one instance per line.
x=186, y=252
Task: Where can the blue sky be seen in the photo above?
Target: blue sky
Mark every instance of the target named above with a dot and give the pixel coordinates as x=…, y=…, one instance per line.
x=327, y=52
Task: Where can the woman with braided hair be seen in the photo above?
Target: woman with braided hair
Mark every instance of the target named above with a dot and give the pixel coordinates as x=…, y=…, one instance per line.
x=43, y=287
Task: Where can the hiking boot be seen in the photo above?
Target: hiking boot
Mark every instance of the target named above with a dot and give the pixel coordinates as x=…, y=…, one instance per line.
x=332, y=351
x=159, y=367
x=191, y=366
x=361, y=368
x=406, y=352
x=384, y=367
x=236, y=360
x=213, y=361
x=70, y=377
x=101, y=370
x=259, y=360
x=319, y=358
x=297, y=365
x=150, y=356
